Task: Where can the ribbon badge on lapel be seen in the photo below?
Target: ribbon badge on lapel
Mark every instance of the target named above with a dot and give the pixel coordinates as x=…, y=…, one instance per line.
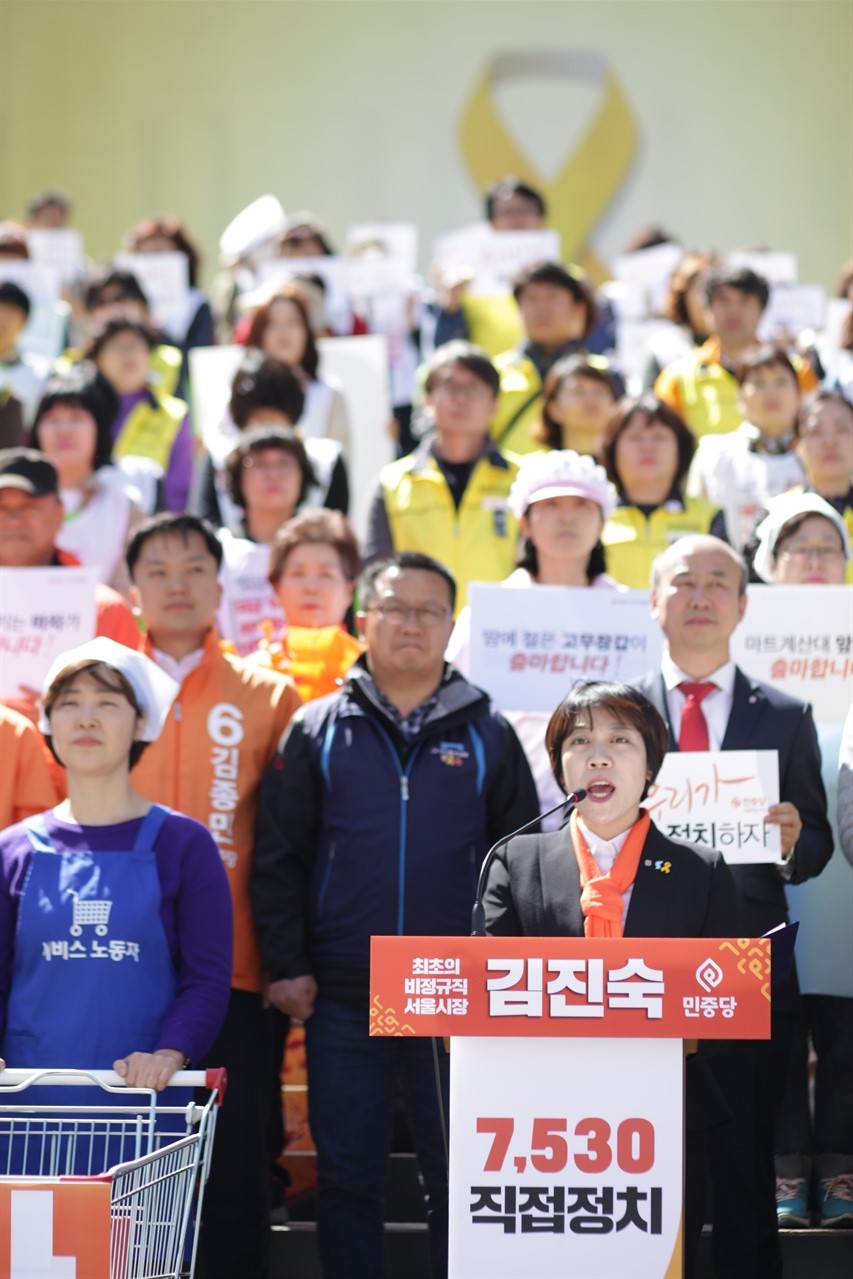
x=582, y=189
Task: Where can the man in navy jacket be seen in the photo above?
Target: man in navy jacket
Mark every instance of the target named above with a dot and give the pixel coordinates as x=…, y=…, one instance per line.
x=699, y=597
x=375, y=817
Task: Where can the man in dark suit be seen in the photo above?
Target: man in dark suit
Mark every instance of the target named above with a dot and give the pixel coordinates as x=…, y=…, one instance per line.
x=699, y=597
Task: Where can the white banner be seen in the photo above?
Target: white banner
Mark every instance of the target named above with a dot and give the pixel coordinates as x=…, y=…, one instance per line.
x=43, y=612
x=492, y=258
x=165, y=281
x=564, y=1162
x=719, y=799
x=799, y=639
x=529, y=646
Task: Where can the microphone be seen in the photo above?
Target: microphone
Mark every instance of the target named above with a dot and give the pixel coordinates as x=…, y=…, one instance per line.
x=478, y=914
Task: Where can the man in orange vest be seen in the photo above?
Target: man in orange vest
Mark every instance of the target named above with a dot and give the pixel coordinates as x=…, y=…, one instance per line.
x=221, y=733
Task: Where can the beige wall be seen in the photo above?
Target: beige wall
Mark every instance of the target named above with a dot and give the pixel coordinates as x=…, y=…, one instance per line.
x=744, y=111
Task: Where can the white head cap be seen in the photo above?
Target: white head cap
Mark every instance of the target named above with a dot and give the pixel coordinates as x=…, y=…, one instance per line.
x=780, y=512
x=561, y=473
x=155, y=690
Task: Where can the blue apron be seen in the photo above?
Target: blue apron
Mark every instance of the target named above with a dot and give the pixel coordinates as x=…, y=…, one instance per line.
x=92, y=977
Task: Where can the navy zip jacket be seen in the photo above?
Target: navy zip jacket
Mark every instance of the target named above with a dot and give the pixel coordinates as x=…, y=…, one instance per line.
x=362, y=833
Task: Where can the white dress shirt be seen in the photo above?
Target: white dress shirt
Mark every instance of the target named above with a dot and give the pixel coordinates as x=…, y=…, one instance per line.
x=605, y=852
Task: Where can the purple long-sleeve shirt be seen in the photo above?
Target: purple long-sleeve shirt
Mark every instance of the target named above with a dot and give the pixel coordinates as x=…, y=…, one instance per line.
x=195, y=911
x=176, y=482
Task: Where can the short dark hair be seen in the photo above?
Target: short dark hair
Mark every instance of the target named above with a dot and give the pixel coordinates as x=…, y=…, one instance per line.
x=467, y=355
x=262, y=382
x=317, y=528
x=105, y=676
x=570, y=278
x=167, y=229
x=283, y=438
x=310, y=361
x=813, y=402
x=47, y=199
x=742, y=278
x=164, y=525
x=652, y=409
x=112, y=278
x=512, y=186
x=113, y=327
x=767, y=357
x=592, y=367
x=82, y=387
x=13, y=295
x=402, y=560
x=617, y=699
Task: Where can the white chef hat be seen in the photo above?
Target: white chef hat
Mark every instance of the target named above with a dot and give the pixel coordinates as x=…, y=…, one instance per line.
x=561, y=473
x=780, y=512
x=154, y=689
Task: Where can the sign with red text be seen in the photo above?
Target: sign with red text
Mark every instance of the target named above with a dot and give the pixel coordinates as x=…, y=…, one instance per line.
x=54, y=1229
x=528, y=650
x=43, y=612
x=248, y=601
x=565, y=1159
x=643, y=988
x=799, y=639
x=719, y=799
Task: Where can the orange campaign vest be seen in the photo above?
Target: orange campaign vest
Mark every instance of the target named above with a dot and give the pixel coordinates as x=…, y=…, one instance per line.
x=208, y=762
x=315, y=657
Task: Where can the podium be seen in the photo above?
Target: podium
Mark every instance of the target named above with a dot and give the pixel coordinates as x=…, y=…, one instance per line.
x=567, y=1087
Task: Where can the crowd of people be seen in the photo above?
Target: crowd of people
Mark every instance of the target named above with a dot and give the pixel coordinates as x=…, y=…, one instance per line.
x=275, y=746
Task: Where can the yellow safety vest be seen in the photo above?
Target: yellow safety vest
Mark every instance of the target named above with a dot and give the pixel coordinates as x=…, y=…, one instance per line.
x=476, y=542
x=494, y=324
x=631, y=541
x=519, y=406
x=151, y=429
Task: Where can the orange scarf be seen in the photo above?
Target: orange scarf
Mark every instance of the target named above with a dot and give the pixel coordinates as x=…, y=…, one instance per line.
x=601, y=898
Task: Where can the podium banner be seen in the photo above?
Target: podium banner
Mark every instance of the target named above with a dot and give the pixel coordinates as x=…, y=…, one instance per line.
x=644, y=988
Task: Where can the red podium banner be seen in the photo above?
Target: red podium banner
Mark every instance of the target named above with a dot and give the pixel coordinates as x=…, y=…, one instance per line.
x=648, y=988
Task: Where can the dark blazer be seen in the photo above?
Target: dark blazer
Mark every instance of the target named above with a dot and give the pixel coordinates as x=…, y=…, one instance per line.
x=764, y=719
x=534, y=890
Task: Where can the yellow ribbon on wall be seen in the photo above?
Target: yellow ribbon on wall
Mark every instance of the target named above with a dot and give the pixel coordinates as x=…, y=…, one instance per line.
x=582, y=189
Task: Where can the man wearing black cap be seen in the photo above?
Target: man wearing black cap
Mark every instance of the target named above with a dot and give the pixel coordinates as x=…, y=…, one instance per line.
x=30, y=518
x=22, y=375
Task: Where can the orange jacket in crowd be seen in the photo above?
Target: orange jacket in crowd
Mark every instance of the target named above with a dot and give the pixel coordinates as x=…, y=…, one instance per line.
x=26, y=786
x=221, y=732
x=315, y=657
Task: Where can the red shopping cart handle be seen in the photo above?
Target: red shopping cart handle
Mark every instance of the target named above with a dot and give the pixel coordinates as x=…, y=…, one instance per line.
x=216, y=1077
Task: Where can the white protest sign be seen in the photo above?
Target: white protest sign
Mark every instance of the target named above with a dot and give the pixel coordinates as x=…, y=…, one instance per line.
x=360, y=365
x=777, y=268
x=799, y=639
x=40, y=283
x=793, y=309
x=212, y=370
x=380, y=257
x=165, y=281
x=577, y=1171
x=529, y=646
x=332, y=270
x=647, y=273
x=492, y=258
x=43, y=612
x=60, y=248
x=248, y=600
x=719, y=798
x=837, y=311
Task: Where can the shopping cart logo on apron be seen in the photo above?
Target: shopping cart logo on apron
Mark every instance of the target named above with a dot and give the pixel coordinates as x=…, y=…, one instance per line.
x=88, y=912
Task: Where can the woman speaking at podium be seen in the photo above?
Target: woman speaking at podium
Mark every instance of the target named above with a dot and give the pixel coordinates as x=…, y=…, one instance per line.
x=611, y=873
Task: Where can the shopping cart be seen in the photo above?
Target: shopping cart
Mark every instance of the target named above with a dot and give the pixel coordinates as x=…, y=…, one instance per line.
x=150, y=1159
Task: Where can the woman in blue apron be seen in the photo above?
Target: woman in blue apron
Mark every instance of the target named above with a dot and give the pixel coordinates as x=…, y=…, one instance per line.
x=115, y=914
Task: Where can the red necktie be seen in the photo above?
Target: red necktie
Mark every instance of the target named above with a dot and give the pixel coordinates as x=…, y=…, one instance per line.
x=694, y=726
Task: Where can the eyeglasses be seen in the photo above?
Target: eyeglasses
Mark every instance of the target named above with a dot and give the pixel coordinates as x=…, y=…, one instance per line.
x=472, y=390
x=395, y=614
x=279, y=465
x=803, y=552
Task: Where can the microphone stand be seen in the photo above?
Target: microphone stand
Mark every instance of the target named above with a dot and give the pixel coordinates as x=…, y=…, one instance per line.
x=478, y=914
